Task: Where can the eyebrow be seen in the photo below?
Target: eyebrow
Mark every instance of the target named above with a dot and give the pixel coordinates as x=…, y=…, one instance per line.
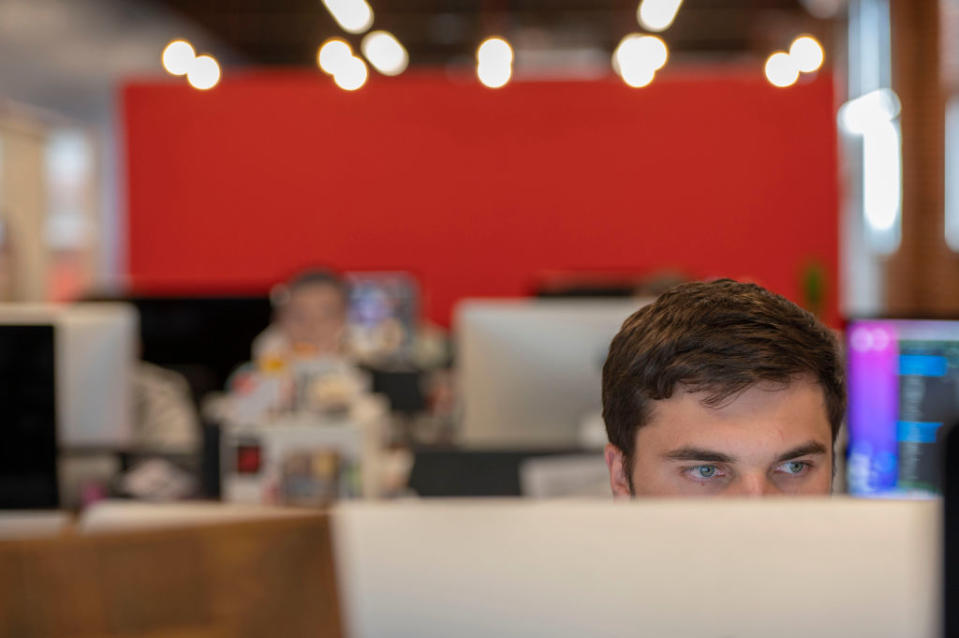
x=812, y=447
x=698, y=454
x=689, y=453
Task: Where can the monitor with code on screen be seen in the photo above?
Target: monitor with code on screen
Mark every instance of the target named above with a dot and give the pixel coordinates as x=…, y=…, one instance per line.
x=903, y=380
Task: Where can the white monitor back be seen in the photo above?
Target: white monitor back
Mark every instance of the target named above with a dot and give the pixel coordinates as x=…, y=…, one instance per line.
x=96, y=351
x=530, y=371
x=789, y=568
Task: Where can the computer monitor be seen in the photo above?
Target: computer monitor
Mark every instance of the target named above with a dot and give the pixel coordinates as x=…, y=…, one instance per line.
x=95, y=349
x=28, y=441
x=383, y=315
x=903, y=384
x=65, y=383
x=950, y=529
x=530, y=371
x=203, y=338
x=750, y=568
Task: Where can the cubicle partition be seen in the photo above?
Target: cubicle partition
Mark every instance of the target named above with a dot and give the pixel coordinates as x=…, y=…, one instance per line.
x=259, y=575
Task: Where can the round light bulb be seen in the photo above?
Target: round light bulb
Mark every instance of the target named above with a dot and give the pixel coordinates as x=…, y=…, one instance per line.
x=351, y=75
x=657, y=15
x=204, y=73
x=332, y=54
x=866, y=112
x=495, y=53
x=807, y=53
x=654, y=50
x=178, y=56
x=353, y=16
x=640, y=51
x=494, y=75
x=385, y=53
x=781, y=70
x=637, y=76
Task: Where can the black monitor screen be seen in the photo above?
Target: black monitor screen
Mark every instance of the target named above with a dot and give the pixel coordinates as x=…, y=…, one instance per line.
x=202, y=338
x=28, y=448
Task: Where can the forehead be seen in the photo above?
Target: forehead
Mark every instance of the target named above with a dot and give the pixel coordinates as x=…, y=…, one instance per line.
x=761, y=417
x=318, y=292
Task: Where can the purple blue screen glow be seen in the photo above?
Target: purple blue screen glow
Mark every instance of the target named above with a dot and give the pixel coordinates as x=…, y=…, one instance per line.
x=903, y=382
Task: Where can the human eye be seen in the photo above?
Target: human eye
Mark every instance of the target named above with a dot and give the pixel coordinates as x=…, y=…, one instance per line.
x=704, y=472
x=794, y=468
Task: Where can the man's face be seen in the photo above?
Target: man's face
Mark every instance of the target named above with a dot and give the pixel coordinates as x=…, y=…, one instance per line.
x=314, y=317
x=769, y=440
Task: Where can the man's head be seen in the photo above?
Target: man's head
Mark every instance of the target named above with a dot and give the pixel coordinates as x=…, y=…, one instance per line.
x=722, y=388
x=311, y=311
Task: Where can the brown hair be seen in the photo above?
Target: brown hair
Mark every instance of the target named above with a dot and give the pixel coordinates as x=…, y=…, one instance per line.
x=281, y=293
x=720, y=338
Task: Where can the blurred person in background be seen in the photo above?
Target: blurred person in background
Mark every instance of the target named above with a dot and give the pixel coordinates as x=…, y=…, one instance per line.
x=302, y=361
x=166, y=418
x=310, y=317
x=722, y=388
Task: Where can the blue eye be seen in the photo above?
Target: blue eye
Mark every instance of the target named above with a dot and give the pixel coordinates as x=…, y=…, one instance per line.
x=705, y=471
x=794, y=467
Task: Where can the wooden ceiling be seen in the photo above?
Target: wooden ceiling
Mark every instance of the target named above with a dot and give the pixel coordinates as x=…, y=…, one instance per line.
x=440, y=32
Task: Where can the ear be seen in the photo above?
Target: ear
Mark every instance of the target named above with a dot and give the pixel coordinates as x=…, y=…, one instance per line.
x=618, y=479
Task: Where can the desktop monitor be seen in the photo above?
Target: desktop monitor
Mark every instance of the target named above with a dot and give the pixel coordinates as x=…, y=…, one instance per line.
x=65, y=383
x=383, y=315
x=530, y=371
x=903, y=383
x=682, y=568
x=28, y=453
x=203, y=338
x=94, y=348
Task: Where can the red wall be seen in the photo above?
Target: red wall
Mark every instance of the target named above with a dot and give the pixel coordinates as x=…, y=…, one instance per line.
x=478, y=192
